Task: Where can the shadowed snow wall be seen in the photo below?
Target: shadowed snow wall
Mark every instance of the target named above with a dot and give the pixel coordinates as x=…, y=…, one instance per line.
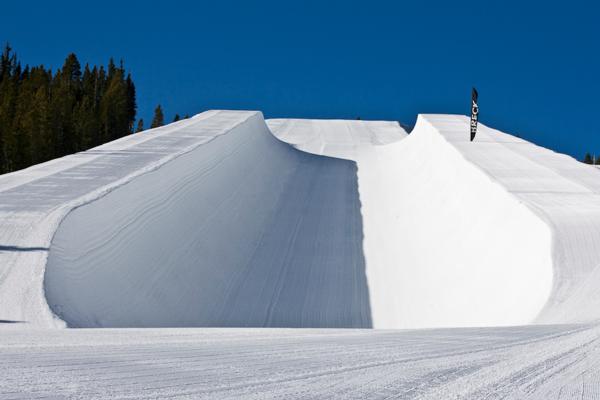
x=242, y=231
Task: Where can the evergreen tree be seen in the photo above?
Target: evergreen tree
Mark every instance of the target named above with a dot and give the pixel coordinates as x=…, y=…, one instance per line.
x=68, y=95
x=44, y=115
x=112, y=69
x=176, y=118
x=114, y=112
x=588, y=158
x=131, y=101
x=10, y=73
x=159, y=118
x=140, y=125
x=86, y=113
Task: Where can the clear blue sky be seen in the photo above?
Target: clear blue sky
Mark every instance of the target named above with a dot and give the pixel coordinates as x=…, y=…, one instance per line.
x=536, y=64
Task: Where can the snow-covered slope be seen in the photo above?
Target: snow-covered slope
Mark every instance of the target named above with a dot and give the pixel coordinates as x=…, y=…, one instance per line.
x=563, y=192
x=534, y=362
x=241, y=231
x=34, y=201
x=444, y=244
x=212, y=221
x=494, y=232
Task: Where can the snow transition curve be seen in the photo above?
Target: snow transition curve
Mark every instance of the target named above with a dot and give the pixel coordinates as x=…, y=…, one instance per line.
x=213, y=221
x=445, y=243
x=243, y=230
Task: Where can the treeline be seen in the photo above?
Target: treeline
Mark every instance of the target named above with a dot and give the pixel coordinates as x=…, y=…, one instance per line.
x=46, y=114
x=158, y=119
x=591, y=159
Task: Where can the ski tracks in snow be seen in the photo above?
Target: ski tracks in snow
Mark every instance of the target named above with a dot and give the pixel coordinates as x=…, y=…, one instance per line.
x=535, y=362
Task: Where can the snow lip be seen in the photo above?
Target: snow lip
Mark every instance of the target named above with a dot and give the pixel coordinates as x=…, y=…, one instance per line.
x=34, y=172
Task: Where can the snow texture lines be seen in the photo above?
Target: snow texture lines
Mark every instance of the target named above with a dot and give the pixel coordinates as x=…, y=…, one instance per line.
x=241, y=231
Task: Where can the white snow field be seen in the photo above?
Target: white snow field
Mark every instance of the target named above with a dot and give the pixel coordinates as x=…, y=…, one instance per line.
x=220, y=226
x=534, y=362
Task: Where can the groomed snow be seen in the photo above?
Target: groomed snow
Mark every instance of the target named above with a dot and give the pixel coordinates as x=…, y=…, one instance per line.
x=34, y=201
x=535, y=362
x=468, y=217
x=212, y=221
x=563, y=192
x=444, y=244
x=241, y=231
x=427, y=230
x=334, y=137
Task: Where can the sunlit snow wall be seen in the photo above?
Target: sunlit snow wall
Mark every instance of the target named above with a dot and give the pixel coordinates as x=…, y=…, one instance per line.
x=446, y=243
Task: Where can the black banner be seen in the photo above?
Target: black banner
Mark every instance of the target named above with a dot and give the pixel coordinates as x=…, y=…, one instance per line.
x=474, y=113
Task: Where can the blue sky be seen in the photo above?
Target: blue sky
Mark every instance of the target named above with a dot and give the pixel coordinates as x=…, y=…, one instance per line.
x=536, y=65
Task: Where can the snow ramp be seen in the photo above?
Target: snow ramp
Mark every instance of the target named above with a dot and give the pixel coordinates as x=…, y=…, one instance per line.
x=243, y=230
x=213, y=221
x=497, y=231
x=562, y=192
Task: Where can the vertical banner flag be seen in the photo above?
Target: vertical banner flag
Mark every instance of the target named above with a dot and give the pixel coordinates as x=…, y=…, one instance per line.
x=474, y=113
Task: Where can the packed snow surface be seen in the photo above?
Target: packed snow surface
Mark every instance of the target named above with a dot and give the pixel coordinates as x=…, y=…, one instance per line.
x=444, y=244
x=242, y=231
x=223, y=221
x=497, y=231
x=212, y=221
x=534, y=362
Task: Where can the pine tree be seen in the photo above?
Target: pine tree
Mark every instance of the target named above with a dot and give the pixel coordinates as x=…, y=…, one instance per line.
x=115, y=108
x=86, y=112
x=10, y=73
x=588, y=158
x=140, y=125
x=131, y=102
x=22, y=127
x=40, y=123
x=112, y=69
x=68, y=95
x=176, y=118
x=159, y=118
x=44, y=115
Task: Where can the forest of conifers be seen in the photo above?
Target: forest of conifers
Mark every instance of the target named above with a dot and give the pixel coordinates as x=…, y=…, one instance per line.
x=46, y=114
